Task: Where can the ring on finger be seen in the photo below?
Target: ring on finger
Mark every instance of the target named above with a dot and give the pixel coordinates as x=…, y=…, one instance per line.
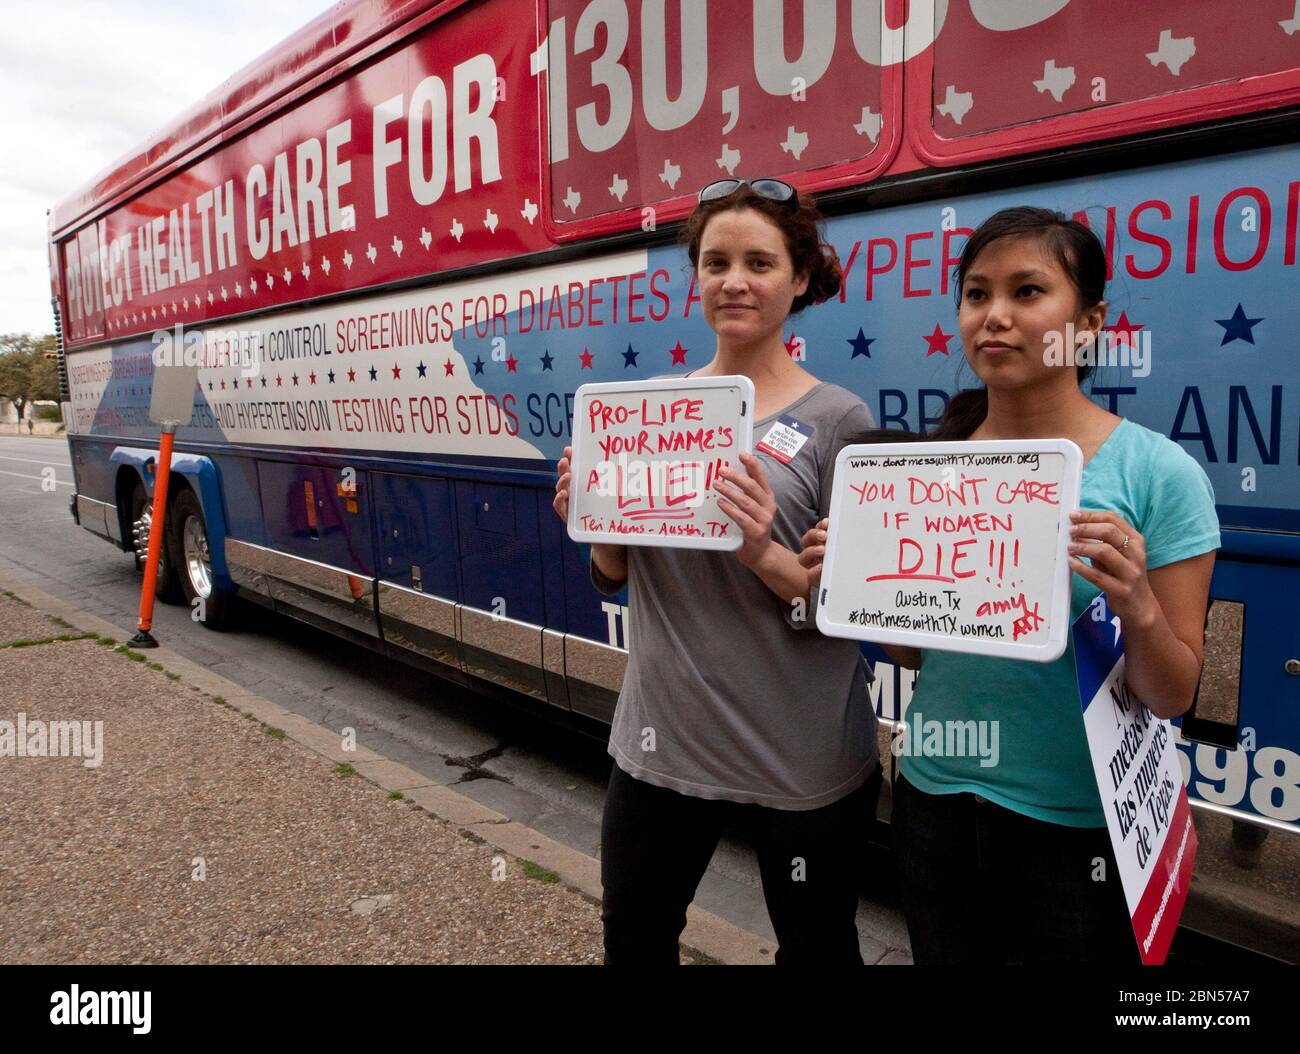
x=1124, y=543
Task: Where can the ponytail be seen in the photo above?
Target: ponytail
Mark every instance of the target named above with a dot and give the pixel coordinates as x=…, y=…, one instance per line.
x=965, y=413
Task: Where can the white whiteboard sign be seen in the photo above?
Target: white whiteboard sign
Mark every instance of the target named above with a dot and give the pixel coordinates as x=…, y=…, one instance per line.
x=957, y=546
x=646, y=456
x=172, y=398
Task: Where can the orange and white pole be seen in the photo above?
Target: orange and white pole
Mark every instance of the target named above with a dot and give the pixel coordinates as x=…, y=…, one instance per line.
x=162, y=473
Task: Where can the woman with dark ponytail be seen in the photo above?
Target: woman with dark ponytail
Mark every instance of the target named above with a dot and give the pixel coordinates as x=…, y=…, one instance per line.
x=1012, y=862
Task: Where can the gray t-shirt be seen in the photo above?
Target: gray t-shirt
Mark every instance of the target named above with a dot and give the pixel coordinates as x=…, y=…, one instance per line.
x=727, y=695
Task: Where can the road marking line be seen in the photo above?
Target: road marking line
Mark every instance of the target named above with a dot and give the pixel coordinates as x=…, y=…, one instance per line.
x=38, y=461
x=39, y=479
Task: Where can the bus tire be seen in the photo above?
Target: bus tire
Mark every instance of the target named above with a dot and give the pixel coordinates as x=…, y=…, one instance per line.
x=189, y=535
x=166, y=586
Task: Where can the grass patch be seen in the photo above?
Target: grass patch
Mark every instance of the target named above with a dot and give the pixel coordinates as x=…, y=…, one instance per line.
x=395, y=796
x=172, y=676
x=220, y=700
x=344, y=769
x=107, y=642
x=134, y=656
x=274, y=733
x=154, y=665
x=248, y=715
x=59, y=622
x=538, y=873
x=31, y=643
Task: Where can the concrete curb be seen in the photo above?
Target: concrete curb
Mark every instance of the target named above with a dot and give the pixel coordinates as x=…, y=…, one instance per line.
x=706, y=934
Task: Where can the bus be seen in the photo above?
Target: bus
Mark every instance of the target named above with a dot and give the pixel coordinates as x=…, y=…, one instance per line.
x=397, y=243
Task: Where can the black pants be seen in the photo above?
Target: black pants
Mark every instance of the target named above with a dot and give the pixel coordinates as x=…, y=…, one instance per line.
x=982, y=884
x=656, y=844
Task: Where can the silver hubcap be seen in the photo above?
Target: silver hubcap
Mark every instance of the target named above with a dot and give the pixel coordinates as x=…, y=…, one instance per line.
x=140, y=532
x=198, y=565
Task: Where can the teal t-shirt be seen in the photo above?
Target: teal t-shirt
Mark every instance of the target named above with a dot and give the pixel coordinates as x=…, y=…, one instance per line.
x=1043, y=767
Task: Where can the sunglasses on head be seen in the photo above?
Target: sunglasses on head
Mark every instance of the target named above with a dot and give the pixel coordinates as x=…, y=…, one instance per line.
x=772, y=189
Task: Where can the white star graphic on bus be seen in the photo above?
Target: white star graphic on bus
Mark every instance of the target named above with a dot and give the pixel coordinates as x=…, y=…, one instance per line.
x=572, y=199
x=396, y=247
x=457, y=228
x=211, y=299
x=325, y=264
x=270, y=280
x=1293, y=23
x=671, y=174
x=1055, y=80
x=426, y=239
x=347, y=259
x=490, y=219
x=252, y=284
x=288, y=276
x=306, y=270
x=372, y=252
x=1172, y=51
x=618, y=187
x=795, y=142
x=529, y=211
x=869, y=125
x=164, y=311
x=153, y=313
x=239, y=289
x=956, y=104
x=173, y=307
x=133, y=318
x=729, y=160
x=224, y=294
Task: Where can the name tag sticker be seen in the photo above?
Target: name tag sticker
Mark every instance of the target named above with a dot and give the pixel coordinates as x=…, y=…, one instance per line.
x=785, y=439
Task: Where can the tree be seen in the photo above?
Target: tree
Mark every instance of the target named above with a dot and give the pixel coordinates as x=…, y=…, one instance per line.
x=26, y=374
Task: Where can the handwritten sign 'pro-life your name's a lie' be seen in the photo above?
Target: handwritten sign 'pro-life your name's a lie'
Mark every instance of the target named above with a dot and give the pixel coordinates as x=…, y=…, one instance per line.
x=956, y=546
x=646, y=457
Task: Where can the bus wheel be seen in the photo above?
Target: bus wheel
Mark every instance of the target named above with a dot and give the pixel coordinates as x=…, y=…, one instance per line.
x=194, y=562
x=166, y=587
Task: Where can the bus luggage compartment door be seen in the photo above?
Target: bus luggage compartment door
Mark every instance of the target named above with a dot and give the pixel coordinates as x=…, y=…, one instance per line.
x=319, y=562
x=418, y=581
x=503, y=611
x=1241, y=740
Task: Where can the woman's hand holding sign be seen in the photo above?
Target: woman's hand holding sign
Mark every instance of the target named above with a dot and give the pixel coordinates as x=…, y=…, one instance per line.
x=562, y=484
x=811, y=557
x=747, y=498
x=1119, y=564
x=610, y=560
x=749, y=501
x=814, y=552
x=1162, y=611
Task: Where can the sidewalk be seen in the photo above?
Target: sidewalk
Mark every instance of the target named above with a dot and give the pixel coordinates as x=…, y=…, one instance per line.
x=209, y=825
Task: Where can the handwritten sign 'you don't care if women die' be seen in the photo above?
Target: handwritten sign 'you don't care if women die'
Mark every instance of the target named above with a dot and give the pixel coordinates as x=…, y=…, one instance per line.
x=956, y=546
x=646, y=457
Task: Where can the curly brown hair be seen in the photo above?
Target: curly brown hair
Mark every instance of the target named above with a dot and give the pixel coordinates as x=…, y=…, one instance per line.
x=801, y=229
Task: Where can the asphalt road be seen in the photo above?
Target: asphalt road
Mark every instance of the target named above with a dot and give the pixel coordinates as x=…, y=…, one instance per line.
x=547, y=776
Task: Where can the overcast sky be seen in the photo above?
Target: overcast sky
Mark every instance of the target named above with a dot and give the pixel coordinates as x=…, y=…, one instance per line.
x=82, y=83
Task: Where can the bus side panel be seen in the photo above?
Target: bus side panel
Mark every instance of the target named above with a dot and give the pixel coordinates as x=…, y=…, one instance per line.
x=96, y=492
x=1260, y=774
x=242, y=497
x=319, y=559
x=419, y=574
x=503, y=610
x=595, y=646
